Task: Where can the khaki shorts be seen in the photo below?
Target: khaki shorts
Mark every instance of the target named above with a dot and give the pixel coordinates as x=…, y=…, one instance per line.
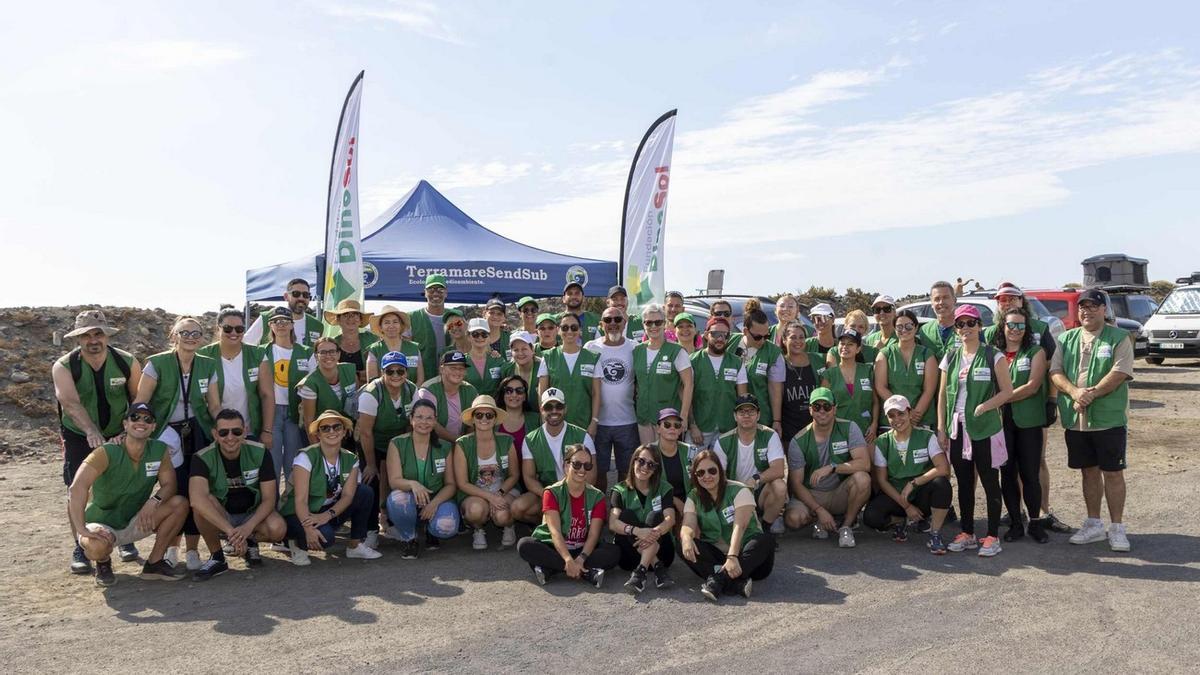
x=835, y=501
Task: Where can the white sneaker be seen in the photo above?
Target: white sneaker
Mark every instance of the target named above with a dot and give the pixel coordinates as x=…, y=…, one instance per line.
x=1117, y=540
x=193, y=561
x=819, y=532
x=1092, y=531
x=508, y=538
x=777, y=526
x=363, y=551
x=479, y=540
x=172, y=556
x=372, y=540
x=393, y=533
x=846, y=538
x=299, y=555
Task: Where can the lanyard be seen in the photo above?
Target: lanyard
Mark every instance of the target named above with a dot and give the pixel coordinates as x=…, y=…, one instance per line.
x=185, y=391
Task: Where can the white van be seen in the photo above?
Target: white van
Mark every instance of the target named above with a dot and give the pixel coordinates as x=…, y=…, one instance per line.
x=1174, y=330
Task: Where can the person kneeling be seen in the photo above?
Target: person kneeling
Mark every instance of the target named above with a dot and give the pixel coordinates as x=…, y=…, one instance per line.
x=642, y=516
x=421, y=475
x=487, y=470
x=753, y=456
x=913, y=477
x=232, y=489
x=568, y=539
x=328, y=476
x=111, y=502
x=721, y=539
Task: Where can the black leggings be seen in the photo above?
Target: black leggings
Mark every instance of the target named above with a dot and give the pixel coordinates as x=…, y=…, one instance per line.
x=1025, y=462
x=191, y=443
x=544, y=555
x=756, y=559
x=373, y=518
x=964, y=472
x=932, y=495
x=630, y=555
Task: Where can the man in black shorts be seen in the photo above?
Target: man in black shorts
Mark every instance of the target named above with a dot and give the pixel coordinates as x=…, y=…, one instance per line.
x=94, y=384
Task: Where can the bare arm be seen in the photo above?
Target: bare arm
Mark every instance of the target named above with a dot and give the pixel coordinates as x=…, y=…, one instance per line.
x=266, y=394
x=775, y=470
x=529, y=473
x=68, y=398
x=881, y=377
x=859, y=461
x=1005, y=391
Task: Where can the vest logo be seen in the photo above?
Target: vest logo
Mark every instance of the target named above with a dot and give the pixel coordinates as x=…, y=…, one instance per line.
x=203, y=385
x=370, y=275
x=152, y=469
x=727, y=514
x=250, y=476
x=656, y=504
x=981, y=374
x=1104, y=352
x=663, y=367
x=1023, y=364
x=116, y=381
x=731, y=374
x=920, y=367
x=576, y=274
x=864, y=384
x=439, y=465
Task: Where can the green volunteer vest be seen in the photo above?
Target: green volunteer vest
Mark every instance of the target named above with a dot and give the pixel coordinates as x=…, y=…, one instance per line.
x=432, y=472
x=313, y=329
x=575, y=383
x=839, y=447
x=493, y=372
x=868, y=354
x=338, y=399
x=729, y=445
x=1029, y=412
x=297, y=370
x=634, y=329
x=251, y=360
x=641, y=506
x=1107, y=411
x=713, y=394
x=426, y=339
x=122, y=490
x=500, y=344
x=684, y=453
x=716, y=524
x=250, y=458
x=115, y=390
x=813, y=346
x=903, y=466
x=466, y=394
x=317, y=479
x=591, y=497
x=531, y=394
x=656, y=383
x=856, y=406
x=411, y=351
x=167, y=391
x=390, y=422
x=539, y=447
x=1036, y=329
x=875, y=341
x=907, y=377
x=757, y=370
x=468, y=443
x=980, y=388
x=930, y=334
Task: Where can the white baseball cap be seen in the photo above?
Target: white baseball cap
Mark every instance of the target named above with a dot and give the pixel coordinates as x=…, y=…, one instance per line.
x=523, y=336
x=895, y=402
x=822, y=308
x=553, y=394
x=478, y=323
x=884, y=300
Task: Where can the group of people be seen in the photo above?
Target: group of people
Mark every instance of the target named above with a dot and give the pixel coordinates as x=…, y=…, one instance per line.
x=420, y=426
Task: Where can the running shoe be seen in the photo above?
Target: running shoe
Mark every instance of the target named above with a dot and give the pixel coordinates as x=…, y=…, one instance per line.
x=79, y=562
x=363, y=552
x=211, y=568
x=1053, y=524
x=253, y=557
x=1117, y=540
x=819, y=532
x=372, y=540
x=104, y=573
x=936, y=545
x=432, y=543
x=963, y=542
x=989, y=546
x=539, y=575
x=1014, y=533
x=408, y=549
x=479, y=540
x=900, y=533
x=662, y=578
x=594, y=576
x=193, y=561
x=845, y=538
x=127, y=552
x=508, y=537
x=1037, y=531
x=1092, y=531
x=637, y=580
x=299, y=555
x=163, y=571
x=711, y=589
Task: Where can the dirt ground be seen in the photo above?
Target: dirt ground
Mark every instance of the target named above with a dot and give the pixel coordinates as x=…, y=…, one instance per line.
x=880, y=607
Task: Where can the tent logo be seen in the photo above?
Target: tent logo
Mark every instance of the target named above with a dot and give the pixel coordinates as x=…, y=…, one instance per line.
x=370, y=275
x=576, y=274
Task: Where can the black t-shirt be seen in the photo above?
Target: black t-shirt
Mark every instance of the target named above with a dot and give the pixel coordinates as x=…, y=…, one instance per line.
x=239, y=499
x=103, y=408
x=673, y=472
x=797, y=387
x=355, y=358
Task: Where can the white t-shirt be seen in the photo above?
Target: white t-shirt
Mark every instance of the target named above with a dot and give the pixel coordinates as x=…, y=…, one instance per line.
x=233, y=388
x=283, y=359
x=745, y=468
x=556, y=443
x=934, y=448
x=328, y=470
x=367, y=405
x=497, y=480
x=716, y=366
x=615, y=367
x=569, y=358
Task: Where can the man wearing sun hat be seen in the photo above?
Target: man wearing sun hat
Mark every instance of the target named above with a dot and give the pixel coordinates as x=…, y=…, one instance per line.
x=94, y=384
x=427, y=328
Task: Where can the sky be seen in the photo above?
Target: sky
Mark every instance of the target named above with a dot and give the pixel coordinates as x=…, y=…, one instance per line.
x=155, y=151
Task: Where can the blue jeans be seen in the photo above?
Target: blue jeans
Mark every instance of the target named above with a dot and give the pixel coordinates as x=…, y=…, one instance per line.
x=403, y=511
x=621, y=440
x=286, y=441
x=360, y=508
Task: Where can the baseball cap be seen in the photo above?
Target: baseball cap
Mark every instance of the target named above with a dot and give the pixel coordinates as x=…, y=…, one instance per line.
x=452, y=311
x=143, y=408
x=895, y=402
x=494, y=302
x=745, y=400
x=393, y=359
x=546, y=316
x=435, y=280
x=617, y=289
x=715, y=321
x=1007, y=288
x=454, y=358
x=822, y=308
x=883, y=300
x=552, y=394
x=576, y=284
x=527, y=300
x=967, y=310
x=279, y=313
x=821, y=394
x=523, y=336
x=667, y=413
x=684, y=316
x=1092, y=295
x=478, y=323
x=852, y=334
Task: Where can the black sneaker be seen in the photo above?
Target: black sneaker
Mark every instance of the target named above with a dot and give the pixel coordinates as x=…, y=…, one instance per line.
x=1014, y=533
x=594, y=576
x=253, y=557
x=79, y=562
x=211, y=568
x=1037, y=531
x=432, y=543
x=539, y=575
x=1052, y=523
x=741, y=587
x=1006, y=520
x=711, y=589
x=637, y=580
x=127, y=553
x=408, y=550
x=104, y=573
x=922, y=526
x=662, y=578
x=163, y=571
x=900, y=533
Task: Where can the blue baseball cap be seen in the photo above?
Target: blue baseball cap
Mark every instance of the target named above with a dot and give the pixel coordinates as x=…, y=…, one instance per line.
x=394, y=359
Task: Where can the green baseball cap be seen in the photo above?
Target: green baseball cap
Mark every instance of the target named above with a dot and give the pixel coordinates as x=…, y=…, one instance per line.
x=435, y=280
x=526, y=301
x=683, y=316
x=821, y=394
x=545, y=316
x=450, y=311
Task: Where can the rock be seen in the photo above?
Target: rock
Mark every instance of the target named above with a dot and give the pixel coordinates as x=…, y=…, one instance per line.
x=21, y=377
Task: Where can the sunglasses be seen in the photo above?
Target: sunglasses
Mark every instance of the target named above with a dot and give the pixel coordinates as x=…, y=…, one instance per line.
x=189, y=334
x=723, y=313
x=328, y=352
x=613, y=319
x=302, y=294
x=225, y=432
x=553, y=407
x=756, y=337
x=329, y=428
x=233, y=329
x=1088, y=305
x=821, y=406
x=142, y=417
x=966, y=323
x=654, y=323
x=718, y=334
x=479, y=335
x=887, y=309
x=529, y=310
x=904, y=327
x=395, y=371
x=746, y=410
x=1015, y=325
x=569, y=328
x=281, y=321
x=550, y=327
x=581, y=466
x=646, y=463
x=668, y=424
x=710, y=471
x=514, y=390
x=484, y=415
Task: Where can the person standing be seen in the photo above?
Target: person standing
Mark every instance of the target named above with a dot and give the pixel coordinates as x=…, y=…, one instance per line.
x=589, y=322
x=353, y=340
x=238, y=371
x=799, y=382
x=616, y=430
x=674, y=307
x=306, y=328
x=685, y=333
x=1091, y=369
x=428, y=329
x=390, y=324
x=524, y=363
x=497, y=321
x=284, y=364
x=853, y=385
x=787, y=310
x=940, y=335
x=822, y=318
x=765, y=370
x=720, y=378
x=884, y=309
x=457, y=338
x=547, y=334
x=662, y=374
x=527, y=307
x=906, y=367
x=572, y=370
x=855, y=320
x=93, y=384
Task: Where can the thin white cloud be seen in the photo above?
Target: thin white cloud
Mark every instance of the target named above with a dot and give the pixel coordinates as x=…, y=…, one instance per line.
x=416, y=16
x=165, y=55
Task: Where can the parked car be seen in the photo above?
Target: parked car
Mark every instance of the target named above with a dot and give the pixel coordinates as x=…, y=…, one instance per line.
x=1131, y=302
x=1174, y=330
x=1064, y=304
x=985, y=302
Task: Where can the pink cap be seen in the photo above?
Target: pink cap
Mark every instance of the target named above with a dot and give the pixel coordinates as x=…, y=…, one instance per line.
x=966, y=310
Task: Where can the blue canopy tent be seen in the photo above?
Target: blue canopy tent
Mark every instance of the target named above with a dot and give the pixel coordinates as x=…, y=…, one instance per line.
x=424, y=233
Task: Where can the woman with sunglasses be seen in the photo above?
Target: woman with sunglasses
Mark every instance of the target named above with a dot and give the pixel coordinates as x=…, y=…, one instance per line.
x=390, y=324
x=524, y=363
x=527, y=310
x=662, y=374
x=326, y=477
x=421, y=476
x=800, y=378
x=1024, y=417
x=457, y=339
x=721, y=532
x=284, y=364
x=884, y=309
x=853, y=385
x=353, y=340
x=547, y=335
x=765, y=370
x=908, y=368
x=675, y=456
x=568, y=538
x=974, y=384
x=180, y=387
x=487, y=470
x=383, y=414
x=641, y=516
x=572, y=369
x=331, y=386
x=497, y=320
x=519, y=416
x=237, y=371
x=483, y=363
x=685, y=333
x=822, y=317
x=787, y=310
